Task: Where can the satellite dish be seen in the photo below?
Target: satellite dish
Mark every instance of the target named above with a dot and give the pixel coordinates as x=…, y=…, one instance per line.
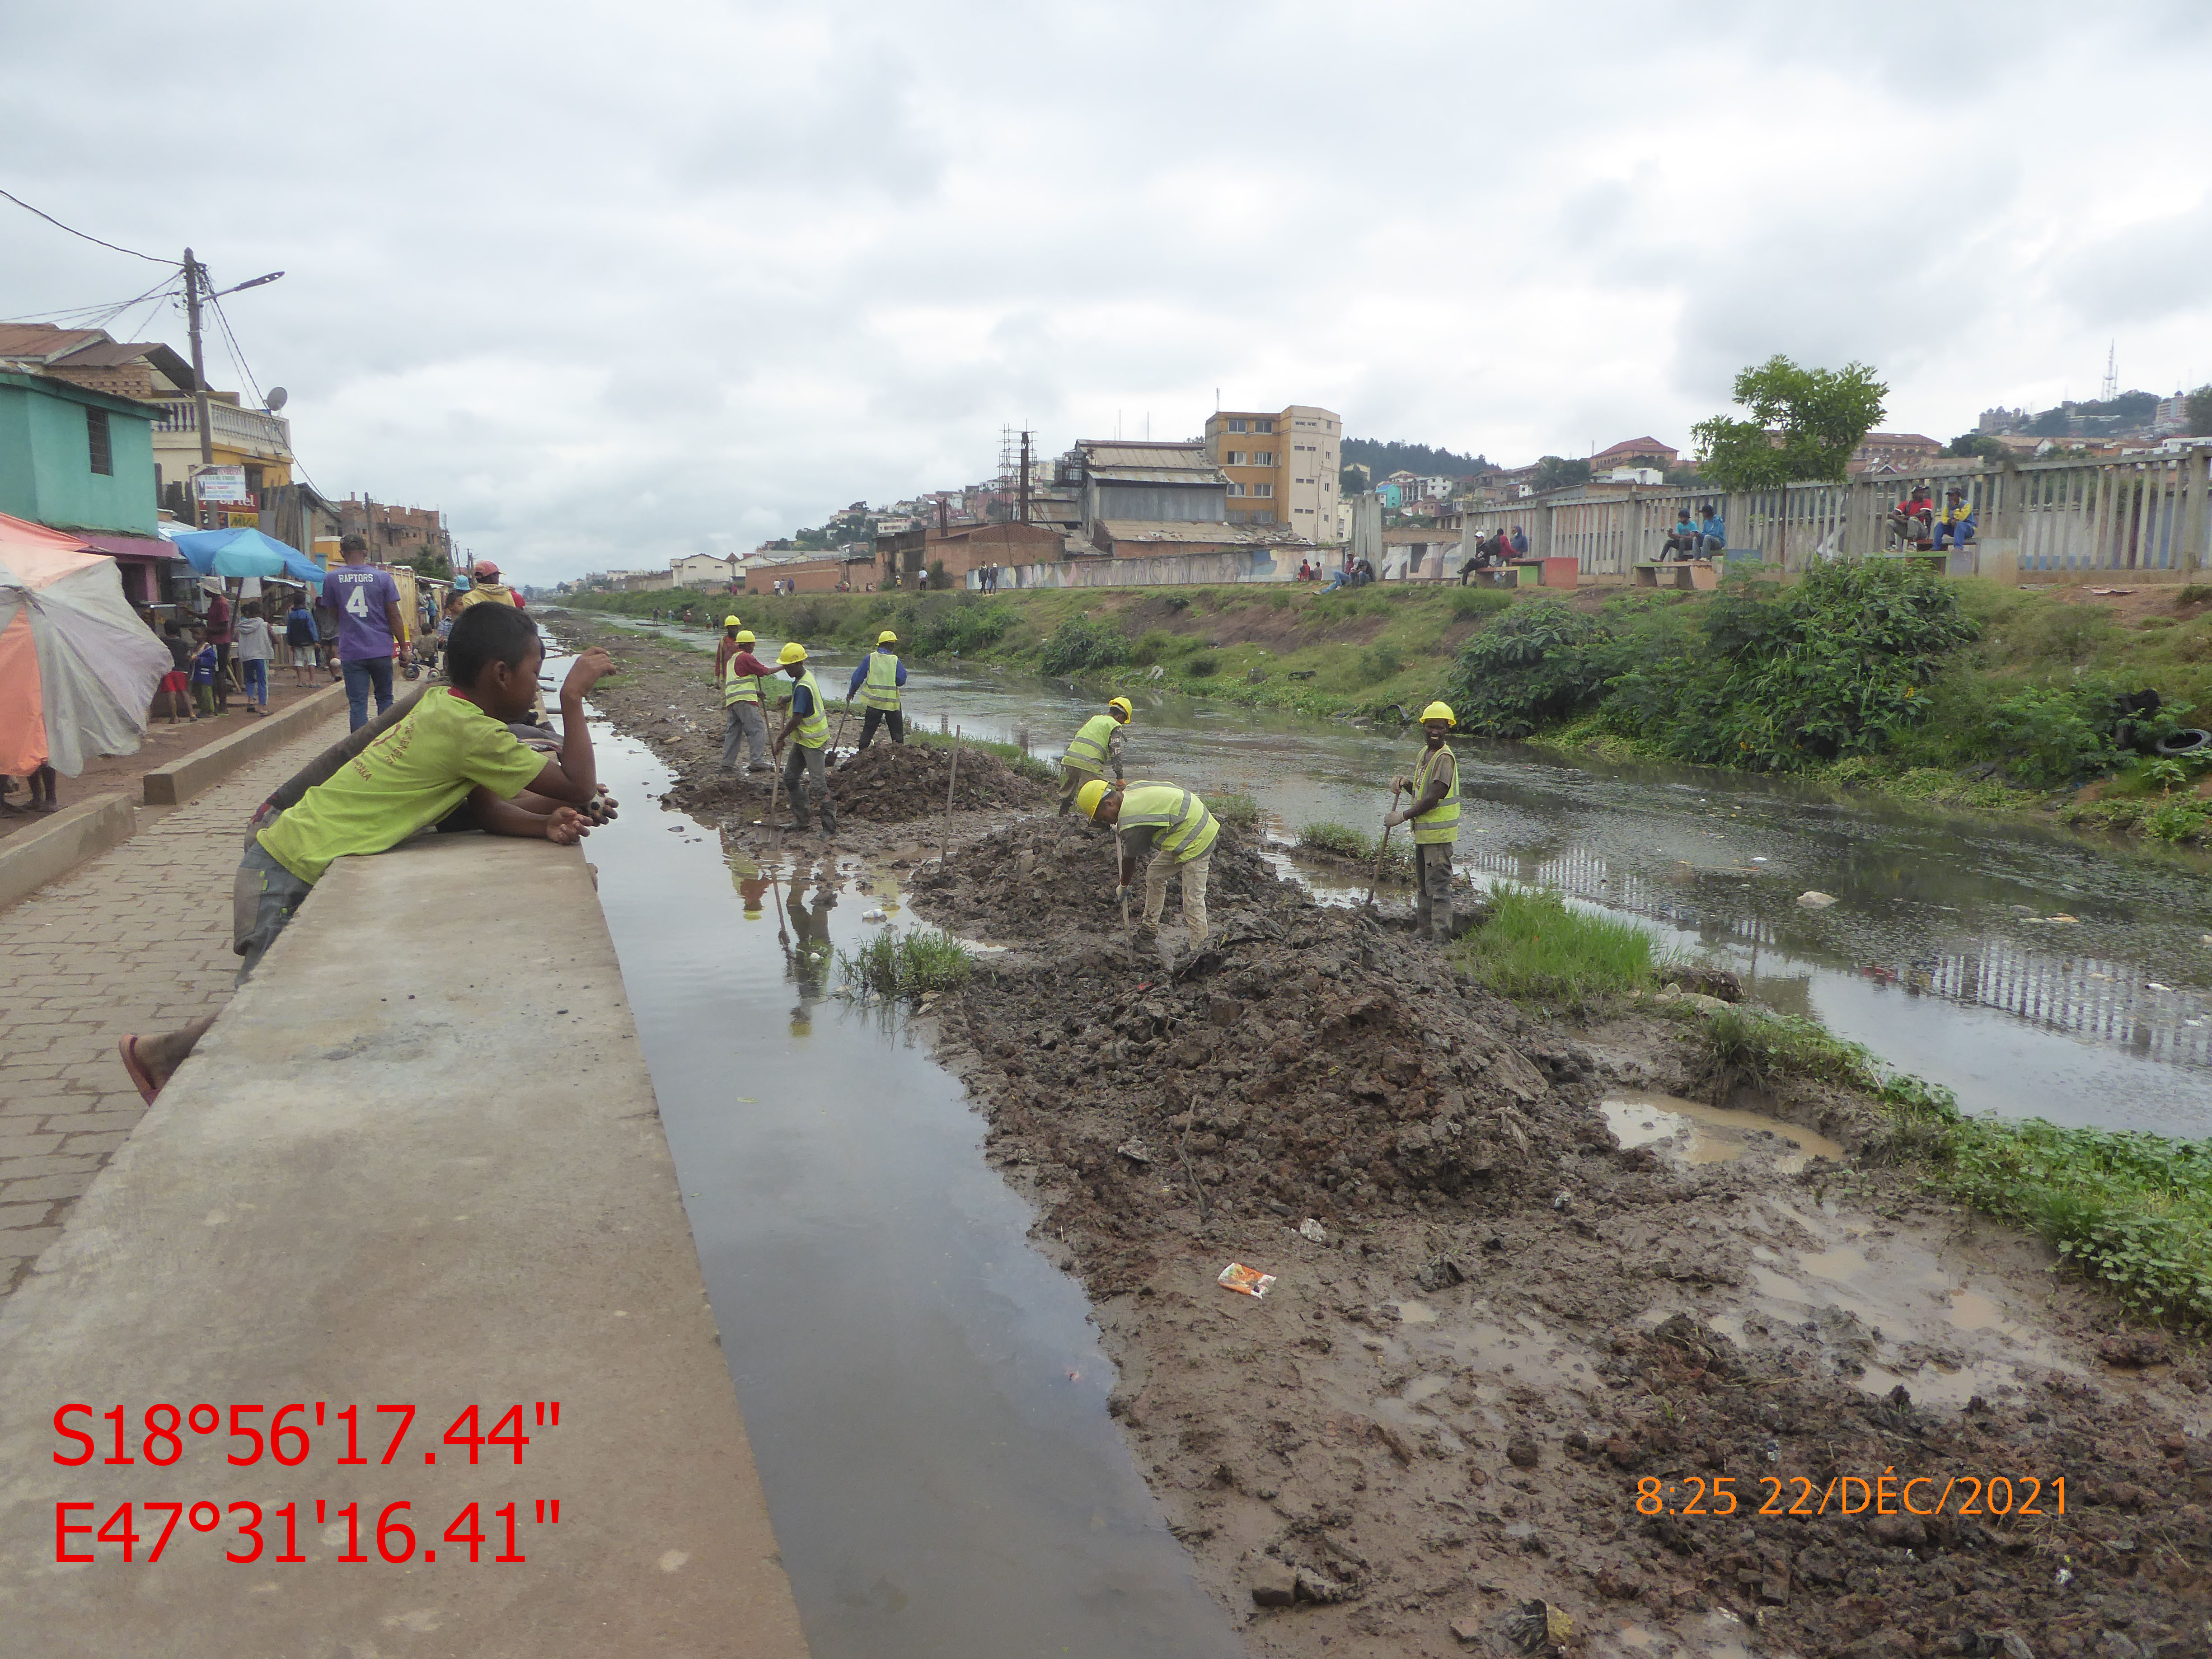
x=277, y=397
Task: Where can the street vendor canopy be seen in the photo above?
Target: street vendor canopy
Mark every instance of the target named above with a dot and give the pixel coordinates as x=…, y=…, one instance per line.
x=77, y=668
x=246, y=553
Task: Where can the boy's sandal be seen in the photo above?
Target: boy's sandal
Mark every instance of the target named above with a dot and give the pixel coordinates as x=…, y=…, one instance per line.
x=128, y=1048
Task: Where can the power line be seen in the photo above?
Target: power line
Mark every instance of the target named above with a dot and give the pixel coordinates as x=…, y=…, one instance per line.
x=86, y=236
x=238, y=357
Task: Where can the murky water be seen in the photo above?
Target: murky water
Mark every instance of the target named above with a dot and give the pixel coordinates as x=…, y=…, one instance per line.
x=2035, y=972
x=926, y=1396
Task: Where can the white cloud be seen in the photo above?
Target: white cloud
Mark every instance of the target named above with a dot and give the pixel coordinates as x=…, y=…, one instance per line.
x=613, y=282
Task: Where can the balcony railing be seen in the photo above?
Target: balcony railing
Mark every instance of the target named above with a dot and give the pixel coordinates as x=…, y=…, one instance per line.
x=238, y=428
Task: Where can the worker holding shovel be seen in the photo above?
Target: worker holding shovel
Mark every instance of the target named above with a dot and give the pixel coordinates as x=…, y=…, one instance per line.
x=1171, y=824
x=1434, y=815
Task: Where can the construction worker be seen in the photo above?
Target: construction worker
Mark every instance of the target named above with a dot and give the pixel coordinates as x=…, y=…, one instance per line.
x=486, y=586
x=1434, y=814
x=809, y=721
x=877, y=679
x=1171, y=823
x=743, y=676
x=1095, y=747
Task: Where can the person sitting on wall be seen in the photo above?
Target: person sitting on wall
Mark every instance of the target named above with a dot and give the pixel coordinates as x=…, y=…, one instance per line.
x=1908, y=520
x=1341, y=577
x=1956, y=520
x=1519, y=543
x=1712, y=535
x=1681, y=539
x=454, y=745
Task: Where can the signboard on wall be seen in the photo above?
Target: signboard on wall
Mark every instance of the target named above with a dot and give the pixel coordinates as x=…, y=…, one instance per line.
x=242, y=521
x=221, y=485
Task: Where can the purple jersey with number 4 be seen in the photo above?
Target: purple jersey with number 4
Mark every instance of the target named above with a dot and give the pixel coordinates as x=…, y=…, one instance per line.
x=359, y=593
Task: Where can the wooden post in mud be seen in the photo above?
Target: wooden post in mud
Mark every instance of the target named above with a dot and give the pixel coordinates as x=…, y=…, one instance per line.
x=945, y=832
x=1382, y=848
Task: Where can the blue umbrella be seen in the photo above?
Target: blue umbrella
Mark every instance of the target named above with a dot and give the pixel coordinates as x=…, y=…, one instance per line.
x=246, y=553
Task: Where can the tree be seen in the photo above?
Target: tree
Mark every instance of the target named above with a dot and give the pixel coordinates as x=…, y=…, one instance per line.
x=2199, y=408
x=430, y=562
x=1558, y=472
x=1968, y=445
x=1351, y=479
x=1804, y=424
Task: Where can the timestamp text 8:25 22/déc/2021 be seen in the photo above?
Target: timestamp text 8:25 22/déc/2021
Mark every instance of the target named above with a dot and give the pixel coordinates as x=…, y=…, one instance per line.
x=1886, y=1494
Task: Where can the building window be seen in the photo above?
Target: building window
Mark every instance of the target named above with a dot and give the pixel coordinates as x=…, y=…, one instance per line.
x=1236, y=489
x=1237, y=426
x=1263, y=426
x=1263, y=491
x=95, y=432
x=1263, y=458
x=1233, y=458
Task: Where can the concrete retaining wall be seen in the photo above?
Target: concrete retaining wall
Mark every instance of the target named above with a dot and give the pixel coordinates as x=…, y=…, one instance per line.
x=418, y=1160
x=178, y=781
x=35, y=854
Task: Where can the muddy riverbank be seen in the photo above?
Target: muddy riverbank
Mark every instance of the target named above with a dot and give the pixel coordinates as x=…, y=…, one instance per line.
x=1519, y=1312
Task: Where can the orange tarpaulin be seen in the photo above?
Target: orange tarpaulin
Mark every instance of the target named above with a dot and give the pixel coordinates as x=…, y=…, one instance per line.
x=22, y=710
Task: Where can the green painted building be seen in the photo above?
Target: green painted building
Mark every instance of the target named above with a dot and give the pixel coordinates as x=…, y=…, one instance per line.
x=75, y=458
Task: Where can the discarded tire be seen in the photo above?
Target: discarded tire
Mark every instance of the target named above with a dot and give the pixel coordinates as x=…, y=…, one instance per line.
x=2190, y=742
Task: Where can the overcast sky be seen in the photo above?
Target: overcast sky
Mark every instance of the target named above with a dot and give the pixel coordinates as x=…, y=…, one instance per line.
x=610, y=282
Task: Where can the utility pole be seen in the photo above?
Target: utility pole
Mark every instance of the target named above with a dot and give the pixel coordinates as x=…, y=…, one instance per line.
x=1025, y=478
x=194, y=277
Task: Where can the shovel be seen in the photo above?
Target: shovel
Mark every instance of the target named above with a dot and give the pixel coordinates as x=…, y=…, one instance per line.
x=1380, y=850
x=774, y=788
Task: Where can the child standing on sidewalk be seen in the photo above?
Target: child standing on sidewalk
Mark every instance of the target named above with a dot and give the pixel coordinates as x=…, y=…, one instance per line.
x=254, y=652
x=205, y=667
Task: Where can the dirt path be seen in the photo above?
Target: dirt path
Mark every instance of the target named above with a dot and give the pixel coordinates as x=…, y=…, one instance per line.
x=1517, y=1338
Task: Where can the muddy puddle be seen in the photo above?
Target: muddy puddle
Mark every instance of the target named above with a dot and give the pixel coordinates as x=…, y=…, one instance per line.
x=2034, y=971
x=1690, y=1133
x=924, y=1394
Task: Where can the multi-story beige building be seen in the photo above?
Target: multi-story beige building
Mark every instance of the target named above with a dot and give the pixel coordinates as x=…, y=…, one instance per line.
x=1281, y=466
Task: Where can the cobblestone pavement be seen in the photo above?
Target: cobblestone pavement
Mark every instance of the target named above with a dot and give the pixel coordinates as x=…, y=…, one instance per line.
x=138, y=940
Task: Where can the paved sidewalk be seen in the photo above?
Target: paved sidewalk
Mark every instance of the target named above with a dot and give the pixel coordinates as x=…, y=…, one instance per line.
x=138, y=940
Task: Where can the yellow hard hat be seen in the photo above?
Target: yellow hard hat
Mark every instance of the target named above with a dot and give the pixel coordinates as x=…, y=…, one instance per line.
x=1088, y=797
x=793, y=651
x=729, y=622
x=1122, y=706
x=887, y=638
x=746, y=636
x=1439, y=711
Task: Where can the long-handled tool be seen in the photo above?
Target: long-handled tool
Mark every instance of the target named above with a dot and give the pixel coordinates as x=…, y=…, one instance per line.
x=842, y=719
x=774, y=785
x=949, y=781
x=1382, y=848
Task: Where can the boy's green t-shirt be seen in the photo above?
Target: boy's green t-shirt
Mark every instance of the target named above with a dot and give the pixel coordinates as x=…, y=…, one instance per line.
x=406, y=780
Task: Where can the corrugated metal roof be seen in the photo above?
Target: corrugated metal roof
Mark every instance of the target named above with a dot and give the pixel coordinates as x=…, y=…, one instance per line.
x=1187, y=476
x=1099, y=453
x=43, y=341
x=1183, y=530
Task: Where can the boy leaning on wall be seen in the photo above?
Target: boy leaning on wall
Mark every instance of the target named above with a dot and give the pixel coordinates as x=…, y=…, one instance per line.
x=452, y=748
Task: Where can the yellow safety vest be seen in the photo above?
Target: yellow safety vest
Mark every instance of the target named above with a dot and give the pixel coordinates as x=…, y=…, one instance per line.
x=488, y=594
x=813, y=729
x=738, y=688
x=1088, y=752
x=880, y=688
x=1186, y=828
x=1439, y=825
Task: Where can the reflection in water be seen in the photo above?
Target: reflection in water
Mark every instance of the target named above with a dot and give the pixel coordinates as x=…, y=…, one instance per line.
x=2117, y=1002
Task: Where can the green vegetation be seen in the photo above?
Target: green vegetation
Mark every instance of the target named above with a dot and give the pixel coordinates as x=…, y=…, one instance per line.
x=1535, y=948
x=2133, y=1211
x=1382, y=459
x=1080, y=645
x=907, y=965
x=1820, y=413
x=1241, y=811
x=1344, y=844
x=1956, y=692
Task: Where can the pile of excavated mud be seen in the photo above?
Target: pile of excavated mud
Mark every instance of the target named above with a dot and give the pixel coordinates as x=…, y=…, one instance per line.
x=1503, y=1355
x=894, y=782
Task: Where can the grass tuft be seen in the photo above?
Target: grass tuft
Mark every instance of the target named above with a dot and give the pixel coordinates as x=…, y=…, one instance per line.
x=1241, y=811
x=907, y=965
x=1535, y=947
x=1343, y=843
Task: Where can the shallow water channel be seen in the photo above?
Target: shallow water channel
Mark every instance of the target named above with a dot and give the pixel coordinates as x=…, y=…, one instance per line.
x=2034, y=971
x=925, y=1397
